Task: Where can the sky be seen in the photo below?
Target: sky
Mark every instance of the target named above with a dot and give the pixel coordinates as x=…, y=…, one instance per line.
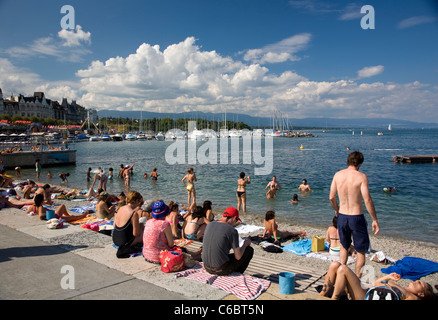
x=301, y=58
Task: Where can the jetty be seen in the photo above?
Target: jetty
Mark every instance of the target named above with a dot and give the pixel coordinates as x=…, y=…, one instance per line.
x=415, y=158
x=26, y=159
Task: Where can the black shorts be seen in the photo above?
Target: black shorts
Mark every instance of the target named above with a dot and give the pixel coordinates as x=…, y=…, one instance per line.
x=356, y=226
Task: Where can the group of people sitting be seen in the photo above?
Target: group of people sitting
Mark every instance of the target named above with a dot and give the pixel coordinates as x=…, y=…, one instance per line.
x=148, y=227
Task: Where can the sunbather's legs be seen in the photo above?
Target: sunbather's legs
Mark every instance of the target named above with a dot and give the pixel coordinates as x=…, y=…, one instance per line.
x=330, y=278
x=347, y=279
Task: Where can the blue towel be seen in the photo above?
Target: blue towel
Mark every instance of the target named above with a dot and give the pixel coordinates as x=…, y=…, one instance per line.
x=301, y=248
x=412, y=268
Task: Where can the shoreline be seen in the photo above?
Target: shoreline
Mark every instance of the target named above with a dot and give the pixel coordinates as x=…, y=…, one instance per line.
x=393, y=248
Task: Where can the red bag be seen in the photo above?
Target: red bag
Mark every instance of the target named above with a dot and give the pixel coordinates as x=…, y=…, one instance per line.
x=172, y=260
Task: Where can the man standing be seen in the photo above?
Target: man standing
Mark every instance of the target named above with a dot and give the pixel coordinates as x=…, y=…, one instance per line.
x=219, y=238
x=351, y=186
x=273, y=186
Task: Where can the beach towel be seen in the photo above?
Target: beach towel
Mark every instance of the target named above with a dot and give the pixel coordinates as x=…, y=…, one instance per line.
x=300, y=248
x=412, y=268
x=87, y=219
x=325, y=255
x=82, y=209
x=242, y=286
x=247, y=228
x=98, y=225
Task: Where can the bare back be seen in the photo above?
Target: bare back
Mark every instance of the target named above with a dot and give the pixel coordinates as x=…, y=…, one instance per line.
x=350, y=185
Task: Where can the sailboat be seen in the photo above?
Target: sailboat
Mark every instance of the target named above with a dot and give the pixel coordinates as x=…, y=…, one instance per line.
x=389, y=127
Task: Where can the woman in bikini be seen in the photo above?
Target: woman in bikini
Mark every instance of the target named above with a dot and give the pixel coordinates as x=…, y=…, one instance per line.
x=195, y=224
x=271, y=229
x=172, y=218
x=190, y=186
x=241, y=191
x=343, y=278
x=60, y=212
x=127, y=176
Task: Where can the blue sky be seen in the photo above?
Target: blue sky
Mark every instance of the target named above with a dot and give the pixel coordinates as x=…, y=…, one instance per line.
x=304, y=58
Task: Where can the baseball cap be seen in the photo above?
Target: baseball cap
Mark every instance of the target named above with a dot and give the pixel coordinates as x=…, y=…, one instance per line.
x=231, y=212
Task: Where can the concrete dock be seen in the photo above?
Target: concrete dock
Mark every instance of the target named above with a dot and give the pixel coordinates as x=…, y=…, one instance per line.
x=26, y=159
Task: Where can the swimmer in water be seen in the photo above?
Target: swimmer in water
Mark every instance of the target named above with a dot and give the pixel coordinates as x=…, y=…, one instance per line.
x=273, y=186
x=190, y=186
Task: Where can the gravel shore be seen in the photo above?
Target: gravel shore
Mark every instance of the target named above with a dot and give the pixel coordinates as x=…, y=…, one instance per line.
x=393, y=248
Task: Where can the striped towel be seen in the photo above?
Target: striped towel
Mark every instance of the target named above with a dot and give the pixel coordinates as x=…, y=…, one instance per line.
x=242, y=286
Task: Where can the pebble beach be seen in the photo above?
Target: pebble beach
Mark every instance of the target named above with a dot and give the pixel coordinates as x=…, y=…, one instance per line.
x=76, y=241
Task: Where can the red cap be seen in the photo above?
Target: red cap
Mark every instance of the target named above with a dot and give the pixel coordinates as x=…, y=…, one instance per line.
x=231, y=212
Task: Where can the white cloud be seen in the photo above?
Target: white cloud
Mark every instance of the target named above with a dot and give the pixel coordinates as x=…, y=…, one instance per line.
x=183, y=77
x=279, y=52
x=414, y=21
x=74, y=39
x=67, y=47
x=351, y=12
x=368, y=72
x=15, y=80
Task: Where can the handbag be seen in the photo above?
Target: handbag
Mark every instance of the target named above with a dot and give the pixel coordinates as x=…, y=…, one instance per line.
x=317, y=244
x=172, y=260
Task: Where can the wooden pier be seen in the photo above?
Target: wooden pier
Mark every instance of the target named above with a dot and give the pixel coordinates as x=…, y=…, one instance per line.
x=415, y=158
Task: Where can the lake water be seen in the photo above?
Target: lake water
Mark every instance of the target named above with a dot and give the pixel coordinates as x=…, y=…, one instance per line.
x=410, y=213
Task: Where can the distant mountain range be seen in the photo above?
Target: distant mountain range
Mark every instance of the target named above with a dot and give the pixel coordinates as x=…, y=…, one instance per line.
x=267, y=122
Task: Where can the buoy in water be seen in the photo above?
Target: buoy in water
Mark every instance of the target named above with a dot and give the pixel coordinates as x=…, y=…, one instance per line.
x=301, y=147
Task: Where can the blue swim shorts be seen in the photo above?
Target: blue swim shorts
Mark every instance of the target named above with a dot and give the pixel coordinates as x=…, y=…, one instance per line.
x=356, y=226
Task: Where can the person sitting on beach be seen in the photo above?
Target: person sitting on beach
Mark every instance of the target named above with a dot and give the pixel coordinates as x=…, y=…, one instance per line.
x=273, y=186
x=332, y=237
x=60, y=212
x=304, y=186
x=127, y=231
x=294, y=199
x=122, y=201
x=7, y=180
x=241, y=191
x=103, y=211
x=195, y=224
x=145, y=211
x=47, y=191
x=343, y=278
x=5, y=203
x=173, y=218
x=157, y=234
x=206, y=206
x=219, y=238
x=29, y=189
x=271, y=229
x=190, y=186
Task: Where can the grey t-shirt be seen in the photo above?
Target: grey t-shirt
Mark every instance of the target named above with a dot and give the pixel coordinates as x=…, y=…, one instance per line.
x=219, y=239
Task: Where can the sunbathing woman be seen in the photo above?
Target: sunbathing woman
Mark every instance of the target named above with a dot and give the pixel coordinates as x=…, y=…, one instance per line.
x=191, y=178
x=60, y=212
x=271, y=229
x=341, y=277
x=195, y=224
x=172, y=218
x=29, y=189
x=103, y=211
